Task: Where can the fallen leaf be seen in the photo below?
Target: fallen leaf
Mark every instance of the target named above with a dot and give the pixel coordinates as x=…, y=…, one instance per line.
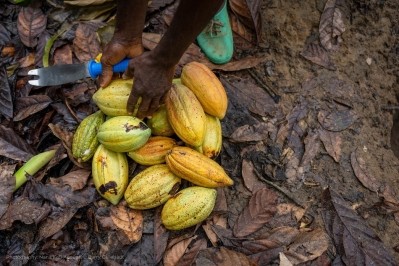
x=312, y=148
x=26, y=106
x=284, y=261
x=360, y=169
x=161, y=236
x=7, y=185
x=5, y=36
x=192, y=252
x=63, y=55
x=13, y=146
x=315, y=53
x=55, y=222
x=64, y=135
x=86, y=2
x=24, y=210
x=141, y=253
x=77, y=179
x=174, y=253
x=331, y=25
x=6, y=101
x=86, y=44
x=336, y=120
x=257, y=132
x=355, y=242
x=260, y=209
x=308, y=245
x=31, y=24
x=332, y=142
x=296, y=115
x=128, y=220
x=222, y=257
x=251, y=180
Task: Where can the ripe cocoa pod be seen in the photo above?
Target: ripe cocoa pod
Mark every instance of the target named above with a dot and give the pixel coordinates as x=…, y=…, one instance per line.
x=212, y=144
x=123, y=133
x=110, y=173
x=188, y=207
x=195, y=167
x=112, y=100
x=85, y=142
x=185, y=115
x=159, y=123
x=151, y=187
x=154, y=151
x=206, y=87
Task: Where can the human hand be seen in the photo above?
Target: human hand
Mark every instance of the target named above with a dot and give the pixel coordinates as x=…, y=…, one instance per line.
x=114, y=52
x=152, y=79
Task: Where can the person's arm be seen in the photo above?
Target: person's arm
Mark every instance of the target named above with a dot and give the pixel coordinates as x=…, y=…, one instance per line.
x=127, y=38
x=153, y=71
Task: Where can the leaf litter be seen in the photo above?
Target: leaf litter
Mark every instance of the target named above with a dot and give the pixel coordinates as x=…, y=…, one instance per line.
x=282, y=154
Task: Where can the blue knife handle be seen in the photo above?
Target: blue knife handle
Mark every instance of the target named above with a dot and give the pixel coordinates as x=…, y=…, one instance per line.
x=95, y=69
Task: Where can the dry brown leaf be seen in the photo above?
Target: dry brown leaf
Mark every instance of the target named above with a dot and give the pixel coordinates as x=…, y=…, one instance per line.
x=128, y=220
x=64, y=135
x=175, y=253
x=307, y=246
x=31, y=23
x=360, y=168
x=7, y=185
x=86, y=44
x=55, y=222
x=247, y=133
x=331, y=26
x=191, y=253
x=77, y=179
x=63, y=55
x=315, y=53
x=161, y=236
x=260, y=209
x=251, y=180
x=332, y=142
x=338, y=120
x=30, y=105
x=312, y=148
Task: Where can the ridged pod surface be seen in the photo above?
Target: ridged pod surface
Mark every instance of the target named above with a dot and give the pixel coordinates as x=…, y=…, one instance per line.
x=85, y=142
x=195, y=167
x=185, y=115
x=110, y=174
x=159, y=123
x=188, y=207
x=123, y=133
x=151, y=187
x=154, y=151
x=207, y=87
x=112, y=100
x=212, y=144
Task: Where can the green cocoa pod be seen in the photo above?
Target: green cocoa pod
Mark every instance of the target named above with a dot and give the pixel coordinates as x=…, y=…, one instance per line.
x=123, y=133
x=159, y=123
x=85, y=142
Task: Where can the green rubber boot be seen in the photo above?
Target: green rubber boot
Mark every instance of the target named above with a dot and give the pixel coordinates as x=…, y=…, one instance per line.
x=216, y=40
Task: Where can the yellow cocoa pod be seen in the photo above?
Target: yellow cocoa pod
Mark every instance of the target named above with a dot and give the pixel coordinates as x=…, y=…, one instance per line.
x=195, y=167
x=110, y=173
x=112, y=100
x=212, y=144
x=188, y=207
x=159, y=123
x=154, y=151
x=123, y=133
x=151, y=187
x=185, y=115
x=207, y=87
x=85, y=142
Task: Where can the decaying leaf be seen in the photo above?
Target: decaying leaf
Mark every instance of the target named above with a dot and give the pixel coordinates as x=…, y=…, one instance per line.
x=7, y=185
x=64, y=135
x=222, y=257
x=251, y=180
x=24, y=210
x=5, y=36
x=332, y=143
x=128, y=220
x=260, y=209
x=31, y=24
x=315, y=53
x=192, y=252
x=308, y=245
x=30, y=105
x=13, y=146
x=312, y=148
x=331, y=25
x=6, y=102
x=76, y=180
x=360, y=168
x=174, y=253
x=338, y=120
x=161, y=236
x=85, y=2
x=55, y=222
x=355, y=242
x=246, y=133
x=86, y=44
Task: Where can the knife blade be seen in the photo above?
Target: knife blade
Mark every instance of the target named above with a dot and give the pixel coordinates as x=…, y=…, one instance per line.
x=62, y=74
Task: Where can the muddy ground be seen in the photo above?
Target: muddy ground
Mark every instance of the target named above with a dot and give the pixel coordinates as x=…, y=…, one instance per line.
x=322, y=141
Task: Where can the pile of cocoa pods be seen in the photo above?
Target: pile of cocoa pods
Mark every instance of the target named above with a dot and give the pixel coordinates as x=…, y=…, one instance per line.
x=179, y=141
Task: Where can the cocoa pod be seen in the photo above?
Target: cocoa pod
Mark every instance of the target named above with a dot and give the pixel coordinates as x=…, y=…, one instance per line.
x=212, y=144
x=151, y=187
x=123, y=133
x=85, y=142
x=185, y=115
x=112, y=100
x=110, y=173
x=159, y=123
x=195, y=167
x=154, y=151
x=206, y=87
x=188, y=207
